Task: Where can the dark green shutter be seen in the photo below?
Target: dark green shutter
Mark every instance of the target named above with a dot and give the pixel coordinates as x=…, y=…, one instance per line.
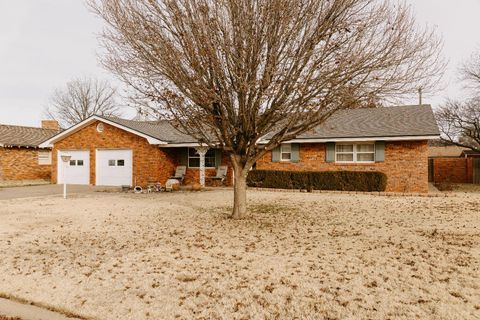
x=183, y=156
x=330, y=152
x=295, y=152
x=218, y=157
x=379, y=151
x=276, y=154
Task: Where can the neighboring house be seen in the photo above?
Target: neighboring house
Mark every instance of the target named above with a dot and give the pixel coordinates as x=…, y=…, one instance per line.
x=440, y=149
x=112, y=151
x=20, y=155
x=470, y=154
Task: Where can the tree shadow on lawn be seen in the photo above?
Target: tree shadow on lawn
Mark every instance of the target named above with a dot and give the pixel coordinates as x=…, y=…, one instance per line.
x=265, y=216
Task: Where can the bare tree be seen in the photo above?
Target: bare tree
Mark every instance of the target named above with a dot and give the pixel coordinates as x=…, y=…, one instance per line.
x=459, y=121
x=80, y=99
x=470, y=73
x=229, y=72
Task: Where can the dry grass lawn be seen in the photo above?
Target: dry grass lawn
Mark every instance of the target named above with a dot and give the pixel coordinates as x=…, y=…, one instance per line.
x=302, y=256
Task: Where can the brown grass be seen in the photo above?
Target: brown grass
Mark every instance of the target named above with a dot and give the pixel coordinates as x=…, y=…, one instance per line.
x=8, y=318
x=305, y=256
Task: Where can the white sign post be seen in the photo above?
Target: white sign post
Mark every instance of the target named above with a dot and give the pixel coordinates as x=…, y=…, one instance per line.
x=65, y=160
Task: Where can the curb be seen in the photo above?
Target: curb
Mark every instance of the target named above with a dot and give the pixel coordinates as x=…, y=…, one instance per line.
x=14, y=309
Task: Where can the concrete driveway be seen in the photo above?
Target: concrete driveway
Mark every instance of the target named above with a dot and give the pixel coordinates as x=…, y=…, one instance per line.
x=43, y=190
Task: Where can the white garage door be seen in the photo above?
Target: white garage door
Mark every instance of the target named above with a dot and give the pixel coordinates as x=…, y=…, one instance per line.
x=114, y=168
x=77, y=170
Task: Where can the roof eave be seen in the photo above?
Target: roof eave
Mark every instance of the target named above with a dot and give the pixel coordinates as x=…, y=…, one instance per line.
x=183, y=145
x=50, y=142
x=353, y=139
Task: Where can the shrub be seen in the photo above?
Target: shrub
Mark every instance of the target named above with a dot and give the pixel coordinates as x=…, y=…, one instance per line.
x=325, y=180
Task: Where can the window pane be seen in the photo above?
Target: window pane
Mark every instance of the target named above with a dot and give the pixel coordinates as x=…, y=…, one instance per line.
x=209, y=162
x=111, y=163
x=344, y=147
x=286, y=156
x=72, y=163
x=345, y=157
x=192, y=152
x=79, y=162
x=365, y=156
x=120, y=163
x=194, y=162
x=210, y=153
x=365, y=147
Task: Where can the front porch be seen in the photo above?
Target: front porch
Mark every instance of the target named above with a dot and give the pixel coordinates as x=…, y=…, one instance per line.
x=201, y=165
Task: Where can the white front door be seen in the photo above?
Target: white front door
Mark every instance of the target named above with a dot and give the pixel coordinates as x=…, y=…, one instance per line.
x=75, y=171
x=114, y=167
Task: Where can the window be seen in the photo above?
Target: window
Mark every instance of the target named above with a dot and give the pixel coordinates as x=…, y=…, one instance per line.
x=365, y=152
x=111, y=163
x=74, y=163
x=355, y=152
x=194, y=158
x=120, y=163
x=44, y=157
x=286, y=152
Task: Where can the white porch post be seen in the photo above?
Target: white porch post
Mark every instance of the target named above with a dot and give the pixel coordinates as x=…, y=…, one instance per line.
x=202, y=151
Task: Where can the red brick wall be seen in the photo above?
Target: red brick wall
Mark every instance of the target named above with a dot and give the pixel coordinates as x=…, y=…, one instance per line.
x=150, y=163
x=406, y=164
x=22, y=164
x=454, y=170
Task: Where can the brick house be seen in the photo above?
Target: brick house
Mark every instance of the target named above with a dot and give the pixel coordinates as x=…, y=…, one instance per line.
x=20, y=155
x=113, y=151
x=126, y=152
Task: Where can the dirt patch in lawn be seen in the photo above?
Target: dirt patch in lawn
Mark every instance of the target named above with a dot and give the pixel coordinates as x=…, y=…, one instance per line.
x=307, y=256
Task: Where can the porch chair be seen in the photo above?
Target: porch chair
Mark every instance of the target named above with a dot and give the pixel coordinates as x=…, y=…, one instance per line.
x=220, y=175
x=179, y=173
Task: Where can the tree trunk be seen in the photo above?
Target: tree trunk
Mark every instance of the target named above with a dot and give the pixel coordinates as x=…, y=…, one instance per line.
x=240, y=193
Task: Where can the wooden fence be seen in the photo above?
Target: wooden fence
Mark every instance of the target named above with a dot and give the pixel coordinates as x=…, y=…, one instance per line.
x=476, y=171
x=454, y=170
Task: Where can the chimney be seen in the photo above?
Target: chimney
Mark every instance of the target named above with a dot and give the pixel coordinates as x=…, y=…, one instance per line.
x=50, y=124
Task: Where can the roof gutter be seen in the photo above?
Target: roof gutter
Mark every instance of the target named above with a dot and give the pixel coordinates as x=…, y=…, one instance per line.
x=180, y=145
x=323, y=140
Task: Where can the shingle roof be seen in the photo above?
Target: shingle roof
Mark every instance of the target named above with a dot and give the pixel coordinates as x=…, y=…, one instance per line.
x=445, y=151
x=162, y=129
x=19, y=136
x=401, y=121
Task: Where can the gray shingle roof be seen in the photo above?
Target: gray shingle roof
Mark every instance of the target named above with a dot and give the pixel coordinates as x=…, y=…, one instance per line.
x=19, y=136
x=162, y=129
x=401, y=121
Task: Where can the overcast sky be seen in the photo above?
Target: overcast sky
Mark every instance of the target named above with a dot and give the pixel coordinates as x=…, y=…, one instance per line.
x=45, y=43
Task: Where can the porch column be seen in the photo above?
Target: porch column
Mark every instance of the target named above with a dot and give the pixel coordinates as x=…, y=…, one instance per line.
x=202, y=151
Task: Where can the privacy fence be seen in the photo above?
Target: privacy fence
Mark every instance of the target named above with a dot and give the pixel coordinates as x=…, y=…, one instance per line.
x=454, y=170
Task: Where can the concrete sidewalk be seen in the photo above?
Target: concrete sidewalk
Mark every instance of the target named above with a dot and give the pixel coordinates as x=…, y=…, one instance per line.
x=43, y=190
x=13, y=309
